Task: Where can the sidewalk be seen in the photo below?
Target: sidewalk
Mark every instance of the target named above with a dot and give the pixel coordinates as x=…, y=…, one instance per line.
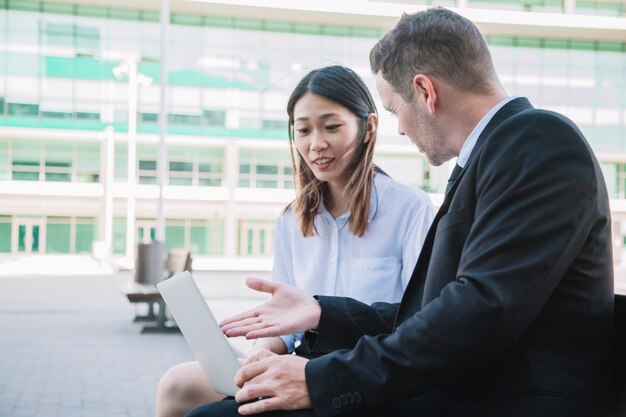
x=69, y=348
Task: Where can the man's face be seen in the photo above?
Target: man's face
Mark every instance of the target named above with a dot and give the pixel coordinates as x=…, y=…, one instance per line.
x=415, y=122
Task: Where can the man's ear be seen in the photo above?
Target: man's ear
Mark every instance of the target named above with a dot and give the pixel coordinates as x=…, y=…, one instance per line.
x=372, y=126
x=425, y=90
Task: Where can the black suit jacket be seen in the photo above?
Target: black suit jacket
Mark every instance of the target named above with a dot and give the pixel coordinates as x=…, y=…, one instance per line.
x=509, y=311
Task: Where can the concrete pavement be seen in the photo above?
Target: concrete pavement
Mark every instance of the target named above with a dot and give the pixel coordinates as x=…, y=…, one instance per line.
x=69, y=347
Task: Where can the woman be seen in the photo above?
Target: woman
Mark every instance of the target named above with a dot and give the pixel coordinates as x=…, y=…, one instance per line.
x=351, y=231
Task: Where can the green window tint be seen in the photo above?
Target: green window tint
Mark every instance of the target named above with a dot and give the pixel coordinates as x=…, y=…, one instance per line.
x=187, y=20
x=57, y=8
x=85, y=234
x=58, y=163
x=175, y=236
x=119, y=235
x=124, y=14
x=23, y=109
x=255, y=237
x=26, y=157
x=601, y=7
x=214, y=118
x=90, y=11
x=5, y=234
x=58, y=236
x=4, y=160
x=146, y=164
x=611, y=179
x=210, y=166
x=200, y=239
x=87, y=162
x=121, y=162
x=24, y=5
x=249, y=242
x=83, y=67
x=262, y=241
x=265, y=168
x=58, y=34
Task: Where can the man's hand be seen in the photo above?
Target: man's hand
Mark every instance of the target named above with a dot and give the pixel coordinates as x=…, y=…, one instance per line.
x=272, y=382
x=290, y=310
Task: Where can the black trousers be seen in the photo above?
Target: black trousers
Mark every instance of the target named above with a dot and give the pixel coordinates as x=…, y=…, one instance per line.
x=423, y=406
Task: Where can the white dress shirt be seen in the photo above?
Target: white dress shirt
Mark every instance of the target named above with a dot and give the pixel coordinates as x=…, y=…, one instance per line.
x=375, y=267
x=470, y=142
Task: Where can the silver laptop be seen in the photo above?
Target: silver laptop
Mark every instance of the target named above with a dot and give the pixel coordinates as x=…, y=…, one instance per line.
x=197, y=323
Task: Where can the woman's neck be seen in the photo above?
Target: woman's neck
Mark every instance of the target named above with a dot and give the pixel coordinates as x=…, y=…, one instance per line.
x=338, y=201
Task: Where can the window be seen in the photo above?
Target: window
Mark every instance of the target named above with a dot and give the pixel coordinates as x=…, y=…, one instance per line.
x=119, y=235
x=84, y=234
x=23, y=109
x=4, y=160
x=58, y=235
x=87, y=162
x=58, y=165
x=256, y=237
x=147, y=164
x=195, y=166
x=181, y=173
x=216, y=118
x=26, y=160
x=265, y=169
x=5, y=234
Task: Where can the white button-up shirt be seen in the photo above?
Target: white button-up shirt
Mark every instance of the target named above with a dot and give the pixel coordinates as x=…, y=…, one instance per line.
x=375, y=267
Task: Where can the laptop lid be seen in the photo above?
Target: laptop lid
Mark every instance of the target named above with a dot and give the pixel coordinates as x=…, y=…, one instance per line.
x=197, y=323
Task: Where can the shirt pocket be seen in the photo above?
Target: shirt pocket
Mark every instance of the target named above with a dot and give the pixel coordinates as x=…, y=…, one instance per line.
x=376, y=279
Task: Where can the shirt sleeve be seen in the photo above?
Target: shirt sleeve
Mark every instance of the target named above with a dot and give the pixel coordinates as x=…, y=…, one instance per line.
x=282, y=267
x=415, y=235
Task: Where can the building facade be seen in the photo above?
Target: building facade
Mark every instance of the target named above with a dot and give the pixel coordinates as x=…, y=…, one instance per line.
x=70, y=118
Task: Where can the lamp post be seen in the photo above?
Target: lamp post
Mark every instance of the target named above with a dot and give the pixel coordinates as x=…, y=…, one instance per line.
x=135, y=80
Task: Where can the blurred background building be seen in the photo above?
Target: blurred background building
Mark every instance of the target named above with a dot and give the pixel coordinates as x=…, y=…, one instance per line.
x=72, y=74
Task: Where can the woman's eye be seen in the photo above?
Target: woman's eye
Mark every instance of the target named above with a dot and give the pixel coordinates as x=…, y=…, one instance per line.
x=302, y=130
x=332, y=127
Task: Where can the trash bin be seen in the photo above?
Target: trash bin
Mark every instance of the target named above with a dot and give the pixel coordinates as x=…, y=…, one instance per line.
x=150, y=263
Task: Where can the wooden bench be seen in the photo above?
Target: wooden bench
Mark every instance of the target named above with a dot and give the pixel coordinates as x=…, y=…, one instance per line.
x=149, y=294
x=177, y=261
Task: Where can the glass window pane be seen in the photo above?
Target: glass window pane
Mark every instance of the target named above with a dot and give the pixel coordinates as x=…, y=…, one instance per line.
x=119, y=235
x=58, y=236
x=85, y=235
x=4, y=160
x=200, y=240
x=5, y=234
x=175, y=237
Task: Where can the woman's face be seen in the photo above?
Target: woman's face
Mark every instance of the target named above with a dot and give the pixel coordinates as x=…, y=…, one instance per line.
x=324, y=134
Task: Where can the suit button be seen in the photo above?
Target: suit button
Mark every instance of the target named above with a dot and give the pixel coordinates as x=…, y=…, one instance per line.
x=344, y=400
x=336, y=402
x=357, y=397
x=350, y=398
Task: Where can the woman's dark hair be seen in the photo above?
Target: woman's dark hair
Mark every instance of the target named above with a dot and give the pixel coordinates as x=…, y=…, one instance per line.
x=344, y=87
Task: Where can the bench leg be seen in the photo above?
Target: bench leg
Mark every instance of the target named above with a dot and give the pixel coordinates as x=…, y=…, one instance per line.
x=161, y=322
x=148, y=317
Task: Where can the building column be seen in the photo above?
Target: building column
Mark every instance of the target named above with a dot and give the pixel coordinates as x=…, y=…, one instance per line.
x=231, y=175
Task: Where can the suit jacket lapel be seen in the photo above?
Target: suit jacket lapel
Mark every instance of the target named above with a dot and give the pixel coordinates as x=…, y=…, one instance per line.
x=415, y=289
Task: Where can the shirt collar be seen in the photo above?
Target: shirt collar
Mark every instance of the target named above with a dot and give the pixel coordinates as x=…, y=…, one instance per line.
x=380, y=184
x=470, y=142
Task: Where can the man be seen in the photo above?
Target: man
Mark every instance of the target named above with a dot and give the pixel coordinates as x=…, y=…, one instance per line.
x=509, y=309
